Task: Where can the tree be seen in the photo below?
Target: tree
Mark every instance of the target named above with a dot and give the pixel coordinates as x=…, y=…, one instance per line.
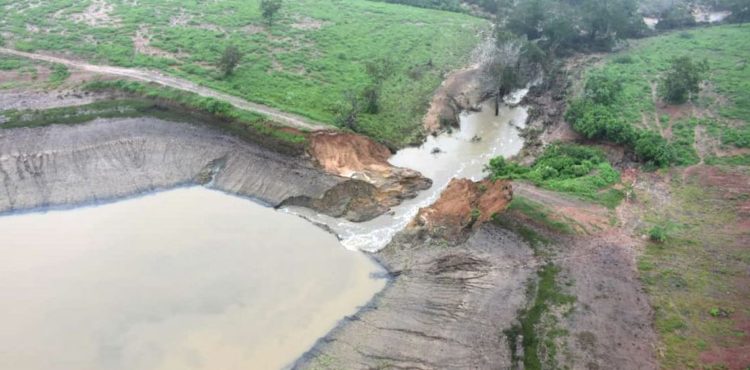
x=676, y=16
x=229, y=60
x=347, y=111
x=526, y=19
x=269, y=8
x=740, y=10
x=379, y=70
x=682, y=79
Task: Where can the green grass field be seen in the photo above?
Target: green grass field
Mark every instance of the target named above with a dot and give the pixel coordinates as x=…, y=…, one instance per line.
x=315, y=51
x=694, y=275
x=695, y=278
x=722, y=107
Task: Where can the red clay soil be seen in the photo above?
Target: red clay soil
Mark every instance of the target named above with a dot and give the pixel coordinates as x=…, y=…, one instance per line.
x=344, y=154
x=364, y=160
x=464, y=204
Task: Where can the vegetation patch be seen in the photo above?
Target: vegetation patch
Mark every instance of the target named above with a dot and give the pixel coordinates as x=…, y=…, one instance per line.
x=78, y=114
x=306, y=70
x=164, y=103
x=623, y=100
x=9, y=63
x=536, y=325
x=736, y=160
x=573, y=169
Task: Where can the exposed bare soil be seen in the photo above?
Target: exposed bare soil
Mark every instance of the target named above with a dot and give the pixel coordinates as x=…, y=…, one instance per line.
x=464, y=204
x=459, y=91
x=376, y=185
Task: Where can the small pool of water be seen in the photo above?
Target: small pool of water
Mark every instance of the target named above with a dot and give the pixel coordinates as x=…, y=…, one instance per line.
x=184, y=279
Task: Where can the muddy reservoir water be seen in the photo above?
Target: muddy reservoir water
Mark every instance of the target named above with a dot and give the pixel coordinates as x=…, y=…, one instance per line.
x=185, y=279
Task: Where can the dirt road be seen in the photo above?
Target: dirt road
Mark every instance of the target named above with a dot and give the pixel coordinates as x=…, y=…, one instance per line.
x=180, y=84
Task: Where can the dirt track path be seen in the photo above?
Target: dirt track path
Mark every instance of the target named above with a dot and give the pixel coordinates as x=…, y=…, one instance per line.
x=276, y=115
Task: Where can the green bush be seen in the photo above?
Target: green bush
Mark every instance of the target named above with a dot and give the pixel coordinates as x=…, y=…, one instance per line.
x=597, y=121
x=602, y=88
x=568, y=168
x=653, y=149
x=658, y=234
x=59, y=74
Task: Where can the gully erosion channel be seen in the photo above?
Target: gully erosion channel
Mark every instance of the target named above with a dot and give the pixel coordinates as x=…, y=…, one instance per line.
x=193, y=277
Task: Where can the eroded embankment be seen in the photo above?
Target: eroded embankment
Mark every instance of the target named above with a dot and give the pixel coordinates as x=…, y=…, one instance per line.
x=375, y=184
x=62, y=165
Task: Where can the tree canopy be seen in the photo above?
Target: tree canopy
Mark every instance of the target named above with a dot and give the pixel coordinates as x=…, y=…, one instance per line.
x=682, y=79
x=269, y=8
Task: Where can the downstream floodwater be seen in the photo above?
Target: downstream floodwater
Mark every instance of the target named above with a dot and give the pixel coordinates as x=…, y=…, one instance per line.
x=184, y=279
x=462, y=153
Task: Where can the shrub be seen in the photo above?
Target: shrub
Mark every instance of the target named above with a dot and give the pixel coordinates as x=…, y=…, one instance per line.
x=658, y=234
x=59, y=74
x=602, y=88
x=624, y=59
x=654, y=149
x=597, y=121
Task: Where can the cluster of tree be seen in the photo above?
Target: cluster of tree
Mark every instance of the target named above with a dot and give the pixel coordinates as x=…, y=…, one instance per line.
x=740, y=10
x=679, y=13
x=530, y=34
x=562, y=25
x=595, y=116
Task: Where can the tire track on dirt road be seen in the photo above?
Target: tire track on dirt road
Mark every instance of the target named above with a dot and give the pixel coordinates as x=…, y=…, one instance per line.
x=288, y=119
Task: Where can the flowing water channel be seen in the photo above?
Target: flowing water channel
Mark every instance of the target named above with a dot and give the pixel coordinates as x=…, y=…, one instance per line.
x=184, y=279
x=460, y=154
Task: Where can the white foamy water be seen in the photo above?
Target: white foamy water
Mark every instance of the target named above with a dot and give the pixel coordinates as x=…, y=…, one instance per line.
x=185, y=279
x=463, y=154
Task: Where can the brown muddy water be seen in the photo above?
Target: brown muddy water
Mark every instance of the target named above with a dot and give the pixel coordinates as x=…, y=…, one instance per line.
x=462, y=153
x=185, y=279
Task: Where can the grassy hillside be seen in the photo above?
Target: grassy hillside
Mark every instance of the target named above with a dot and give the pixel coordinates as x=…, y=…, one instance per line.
x=315, y=51
x=695, y=266
x=717, y=122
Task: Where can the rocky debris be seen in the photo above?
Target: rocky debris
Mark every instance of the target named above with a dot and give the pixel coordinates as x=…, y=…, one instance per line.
x=446, y=308
x=354, y=200
x=365, y=162
x=463, y=205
